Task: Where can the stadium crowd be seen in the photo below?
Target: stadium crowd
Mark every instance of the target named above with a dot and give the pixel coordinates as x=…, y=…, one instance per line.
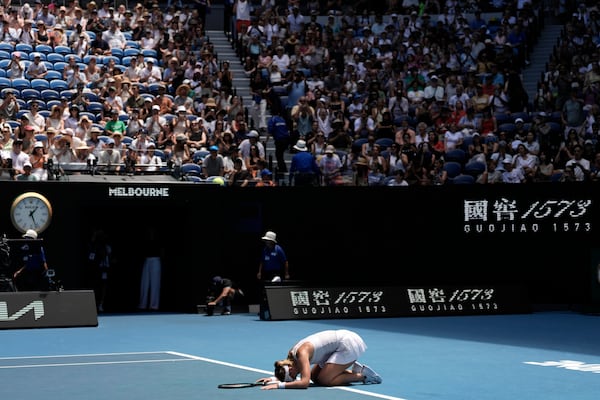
x=416, y=93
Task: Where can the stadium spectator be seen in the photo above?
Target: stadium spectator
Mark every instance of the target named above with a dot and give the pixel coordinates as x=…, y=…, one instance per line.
x=16, y=67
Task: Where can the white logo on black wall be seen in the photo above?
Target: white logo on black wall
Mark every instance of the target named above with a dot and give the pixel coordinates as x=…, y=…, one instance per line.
x=37, y=306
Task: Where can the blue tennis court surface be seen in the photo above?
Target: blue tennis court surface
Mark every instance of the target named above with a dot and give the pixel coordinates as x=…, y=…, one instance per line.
x=552, y=355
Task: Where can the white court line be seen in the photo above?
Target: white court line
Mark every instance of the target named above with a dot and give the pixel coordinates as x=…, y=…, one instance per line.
x=183, y=357
x=84, y=355
x=348, y=389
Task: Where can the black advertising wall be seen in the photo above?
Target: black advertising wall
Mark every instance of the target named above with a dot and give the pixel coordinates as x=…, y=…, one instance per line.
x=541, y=236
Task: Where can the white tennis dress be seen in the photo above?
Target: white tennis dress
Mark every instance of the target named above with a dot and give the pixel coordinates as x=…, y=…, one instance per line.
x=333, y=347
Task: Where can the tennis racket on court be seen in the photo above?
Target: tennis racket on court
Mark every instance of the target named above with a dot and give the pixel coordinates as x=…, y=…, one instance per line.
x=242, y=385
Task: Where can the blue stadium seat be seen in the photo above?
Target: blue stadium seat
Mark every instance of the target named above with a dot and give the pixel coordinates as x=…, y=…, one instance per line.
x=50, y=94
x=60, y=66
x=7, y=47
x=475, y=168
x=59, y=84
x=160, y=153
x=126, y=61
x=23, y=105
x=88, y=57
x=13, y=124
x=30, y=94
x=52, y=103
x=91, y=35
x=95, y=107
x=131, y=52
x=91, y=116
x=107, y=59
x=44, y=48
x=4, y=63
x=5, y=83
x=21, y=112
x=150, y=53
x=357, y=144
x=41, y=137
x=199, y=155
x=116, y=52
x=68, y=93
x=457, y=155
x=508, y=127
x=190, y=169
x=463, y=179
x=132, y=44
x=4, y=55
x=24, y=56
x=54, y=57
x=452, y=168
x=153, y=88
x=384, y=143
x=64, y=50
x=24, y=47
x=168, y=117
x=2, y=73
x=52, y=75
x=91, y=96
x=21, y=83
x=5, y=90
x=502, y=118
x=44, y=113
x=40, y=84
x=523, y=115
x=147, y=96
x=193, y=178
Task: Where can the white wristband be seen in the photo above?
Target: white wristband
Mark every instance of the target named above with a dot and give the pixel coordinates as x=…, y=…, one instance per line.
x=281, y=385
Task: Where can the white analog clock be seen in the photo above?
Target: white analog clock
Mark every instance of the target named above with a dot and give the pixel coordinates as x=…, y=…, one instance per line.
x=31, y=211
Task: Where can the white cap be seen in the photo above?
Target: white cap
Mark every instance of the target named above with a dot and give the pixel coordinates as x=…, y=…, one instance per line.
x=31, y=234
x=271, y=236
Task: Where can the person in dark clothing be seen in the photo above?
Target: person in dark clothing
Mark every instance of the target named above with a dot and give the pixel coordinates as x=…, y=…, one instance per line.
x=304, y=170
x=222, y=291
x=278, y=129
x=31, y=276
x=99, y=260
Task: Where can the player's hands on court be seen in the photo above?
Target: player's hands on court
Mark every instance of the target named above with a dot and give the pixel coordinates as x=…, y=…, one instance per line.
x=270, y=386
x=269, y=382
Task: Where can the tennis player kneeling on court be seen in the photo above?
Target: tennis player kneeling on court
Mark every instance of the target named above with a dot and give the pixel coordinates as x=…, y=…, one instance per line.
x=333, y=356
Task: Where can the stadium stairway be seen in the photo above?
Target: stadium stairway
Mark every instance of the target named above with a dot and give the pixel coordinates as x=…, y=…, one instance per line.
x=540, y=56
x=226, y=52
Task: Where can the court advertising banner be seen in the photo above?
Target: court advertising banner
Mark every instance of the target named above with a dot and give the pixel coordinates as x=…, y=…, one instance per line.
x=298, y=302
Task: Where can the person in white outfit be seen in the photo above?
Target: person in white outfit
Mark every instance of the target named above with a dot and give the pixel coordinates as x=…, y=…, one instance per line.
x=333, y=356
x=151, y=272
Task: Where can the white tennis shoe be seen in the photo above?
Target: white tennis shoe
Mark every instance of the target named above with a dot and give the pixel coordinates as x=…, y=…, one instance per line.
x=357, y=368
x=370, y=376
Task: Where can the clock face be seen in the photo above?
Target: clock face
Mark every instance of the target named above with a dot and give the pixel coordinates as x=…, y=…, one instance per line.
x=31, y=211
